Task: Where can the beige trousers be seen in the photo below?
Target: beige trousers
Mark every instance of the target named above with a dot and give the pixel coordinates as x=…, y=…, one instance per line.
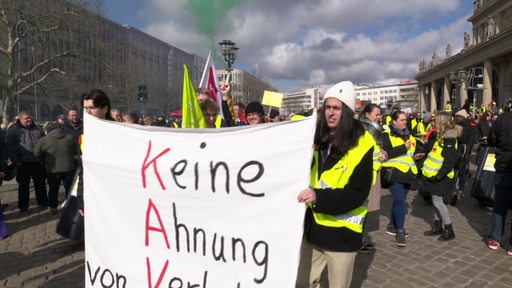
x=313, y=260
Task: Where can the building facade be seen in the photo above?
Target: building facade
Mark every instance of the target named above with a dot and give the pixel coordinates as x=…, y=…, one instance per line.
x=245, y=87
x=303, y=101
x=486, y=57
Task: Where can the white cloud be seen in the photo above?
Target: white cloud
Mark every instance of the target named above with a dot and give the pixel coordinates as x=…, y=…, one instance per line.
x=320, y=42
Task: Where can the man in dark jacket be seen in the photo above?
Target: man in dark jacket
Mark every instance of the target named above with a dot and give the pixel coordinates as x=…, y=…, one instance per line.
x=74, y=125
x=21, y=140
x=468, y=139
x=500, y=136
x=57, y=151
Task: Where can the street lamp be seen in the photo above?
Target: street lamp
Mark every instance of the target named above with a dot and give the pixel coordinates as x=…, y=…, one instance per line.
x=229, y=51
x=458, y=77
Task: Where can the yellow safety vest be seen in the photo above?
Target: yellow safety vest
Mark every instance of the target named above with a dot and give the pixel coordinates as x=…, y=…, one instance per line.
x=337, y=177
x=414, y=123
x=422, y=129
x=403, y=162
x=434, y=161
x=448, y=108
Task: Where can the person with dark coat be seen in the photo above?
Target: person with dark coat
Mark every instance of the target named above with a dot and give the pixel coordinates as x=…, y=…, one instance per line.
x=500, y=137
x=468, y=139
x=484, y=125
x=21, y=140
x=74, y=125
x=58, y=152
x=438, y=175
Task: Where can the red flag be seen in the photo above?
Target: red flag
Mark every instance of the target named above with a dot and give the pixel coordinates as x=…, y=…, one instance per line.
x=211, y=83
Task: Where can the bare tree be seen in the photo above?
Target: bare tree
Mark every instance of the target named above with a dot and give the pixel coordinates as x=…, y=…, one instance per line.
x=36, y=44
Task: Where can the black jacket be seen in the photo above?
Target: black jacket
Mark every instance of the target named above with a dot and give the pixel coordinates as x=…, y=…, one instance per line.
x=21, y=141
x=339, y=201
x=500, y=136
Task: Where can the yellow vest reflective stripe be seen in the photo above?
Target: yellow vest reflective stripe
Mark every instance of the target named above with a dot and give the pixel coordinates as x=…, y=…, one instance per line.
x=434, y=162
x=376, y=161
x=337, y=177
x=404, y=162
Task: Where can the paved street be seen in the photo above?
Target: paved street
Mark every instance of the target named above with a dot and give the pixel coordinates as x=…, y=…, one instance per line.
x=35, y=256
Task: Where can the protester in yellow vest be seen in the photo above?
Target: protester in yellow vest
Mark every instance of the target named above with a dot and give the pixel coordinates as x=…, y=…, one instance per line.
x=423, y=126
x=337, y=196
x=448, y=107
x=370, y=118
x=402, y=153
x=438, y=172
x=210, y=111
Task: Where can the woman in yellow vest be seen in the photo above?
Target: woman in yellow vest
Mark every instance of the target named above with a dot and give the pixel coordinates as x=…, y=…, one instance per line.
x=438, y=172
x=402, y=153
x=337, y=196
x=370, y=117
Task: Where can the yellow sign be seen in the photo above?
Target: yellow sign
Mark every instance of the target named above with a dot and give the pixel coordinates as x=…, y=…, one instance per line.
x=273, y=99
x=489, y=162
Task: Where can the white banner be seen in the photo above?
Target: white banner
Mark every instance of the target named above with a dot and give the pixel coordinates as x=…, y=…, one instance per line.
x=200, y=208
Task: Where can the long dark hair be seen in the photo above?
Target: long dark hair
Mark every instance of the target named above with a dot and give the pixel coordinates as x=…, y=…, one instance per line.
x=99, y=99
x=346, y=135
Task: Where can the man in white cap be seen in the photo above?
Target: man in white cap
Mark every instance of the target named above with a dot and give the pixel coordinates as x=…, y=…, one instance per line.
x=336, y=198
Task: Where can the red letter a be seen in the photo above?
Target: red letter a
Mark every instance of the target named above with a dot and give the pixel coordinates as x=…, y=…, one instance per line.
x=160, y=229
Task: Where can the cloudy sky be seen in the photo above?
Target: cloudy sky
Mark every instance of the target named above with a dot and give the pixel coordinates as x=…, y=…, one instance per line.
x=297, y=44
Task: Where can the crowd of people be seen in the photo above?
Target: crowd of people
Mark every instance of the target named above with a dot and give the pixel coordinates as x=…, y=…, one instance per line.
x=354, y=151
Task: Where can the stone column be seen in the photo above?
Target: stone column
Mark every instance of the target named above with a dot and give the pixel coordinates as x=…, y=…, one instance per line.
x=423, y=95
x=487, y=91
x=433, y=92
x=447, y=93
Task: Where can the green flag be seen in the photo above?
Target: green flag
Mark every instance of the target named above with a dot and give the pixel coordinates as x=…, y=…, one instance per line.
x=192, y=114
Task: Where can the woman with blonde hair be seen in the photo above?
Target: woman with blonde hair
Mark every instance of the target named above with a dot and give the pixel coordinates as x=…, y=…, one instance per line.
x=438, y=172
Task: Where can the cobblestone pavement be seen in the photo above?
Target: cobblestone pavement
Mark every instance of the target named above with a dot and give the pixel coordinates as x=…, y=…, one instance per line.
x=35, y=256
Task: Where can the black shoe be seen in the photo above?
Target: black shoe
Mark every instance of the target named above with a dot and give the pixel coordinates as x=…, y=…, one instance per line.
x=391, y=230
x=448, y=233
x=400, y=238
x=23, y=211
x=437, y=229
x=53, y=210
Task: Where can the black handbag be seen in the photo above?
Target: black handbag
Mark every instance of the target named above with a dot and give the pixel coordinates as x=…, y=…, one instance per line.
x=387, y=177
x=71, y=222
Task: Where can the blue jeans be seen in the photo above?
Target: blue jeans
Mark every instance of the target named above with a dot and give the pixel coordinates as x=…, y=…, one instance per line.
x=503, y=192
x=398, y=210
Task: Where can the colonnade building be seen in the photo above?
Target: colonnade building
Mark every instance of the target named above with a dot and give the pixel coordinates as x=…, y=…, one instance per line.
x=486, y=58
